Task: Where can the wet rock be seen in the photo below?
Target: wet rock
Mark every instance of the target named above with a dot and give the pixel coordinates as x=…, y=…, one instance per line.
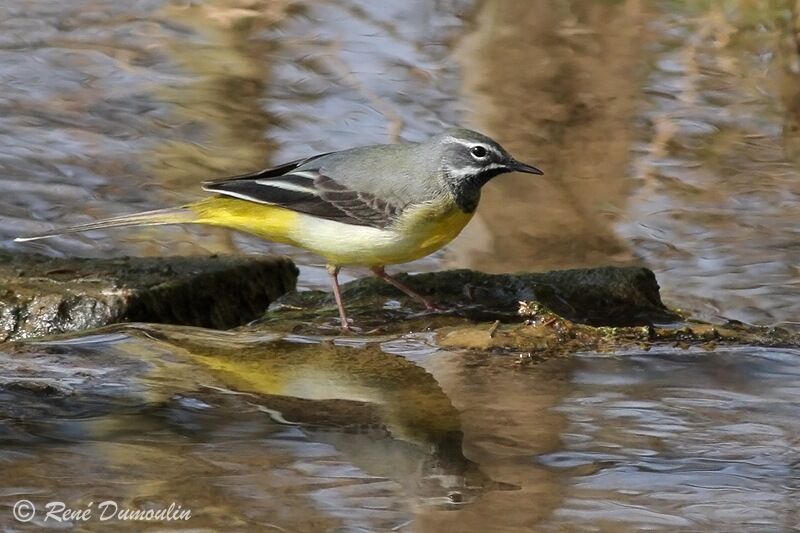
x=545, y=334
x=540, y=315
x=42, y=295
x=609, y=296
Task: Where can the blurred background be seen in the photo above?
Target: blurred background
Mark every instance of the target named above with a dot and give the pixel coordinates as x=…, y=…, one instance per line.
x=668, y=130
x=669, y=133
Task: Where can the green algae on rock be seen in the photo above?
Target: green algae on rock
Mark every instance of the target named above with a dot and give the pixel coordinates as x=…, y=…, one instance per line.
x=43, y=295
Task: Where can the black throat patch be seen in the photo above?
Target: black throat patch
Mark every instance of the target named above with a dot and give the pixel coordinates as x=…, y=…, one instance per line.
x=467, y=190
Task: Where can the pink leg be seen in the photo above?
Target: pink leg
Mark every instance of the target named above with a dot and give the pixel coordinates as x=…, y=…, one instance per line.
x=333, y=272
x=381, y=273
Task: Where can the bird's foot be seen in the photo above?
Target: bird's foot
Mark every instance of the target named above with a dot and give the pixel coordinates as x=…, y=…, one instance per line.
x=432, y=306
x=348, y=328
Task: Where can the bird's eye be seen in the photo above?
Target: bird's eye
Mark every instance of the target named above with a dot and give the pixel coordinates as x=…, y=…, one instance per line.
x=478, y=151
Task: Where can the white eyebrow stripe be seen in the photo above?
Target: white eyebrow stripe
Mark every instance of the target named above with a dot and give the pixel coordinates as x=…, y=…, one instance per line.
x=456, y=140
x=286, y=186
x=468, y=144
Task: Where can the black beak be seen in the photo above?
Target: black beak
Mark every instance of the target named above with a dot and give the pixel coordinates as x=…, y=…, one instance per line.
x=516, y=166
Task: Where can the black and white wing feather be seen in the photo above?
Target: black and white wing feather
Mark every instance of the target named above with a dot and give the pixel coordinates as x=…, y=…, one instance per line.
x=301, y=187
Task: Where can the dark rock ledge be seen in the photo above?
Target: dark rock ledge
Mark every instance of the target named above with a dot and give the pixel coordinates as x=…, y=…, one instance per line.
x=544, y=314
x=539, y=315
x=604, y=296
x=43, y=296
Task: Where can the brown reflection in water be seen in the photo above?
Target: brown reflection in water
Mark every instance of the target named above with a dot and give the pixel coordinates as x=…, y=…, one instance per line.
x=217, y=467
x=508, y=417
x=243, y=429
x=219, y=113
x=715, y=211
x=411, y=433
x=557, y=84
x=229, y=72
x=789, y=51
x=126, y=423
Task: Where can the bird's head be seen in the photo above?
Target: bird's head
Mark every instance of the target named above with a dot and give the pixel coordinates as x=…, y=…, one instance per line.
x=469, y=160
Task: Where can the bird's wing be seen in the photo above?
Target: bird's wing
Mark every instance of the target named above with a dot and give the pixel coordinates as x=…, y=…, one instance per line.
x=308, y=191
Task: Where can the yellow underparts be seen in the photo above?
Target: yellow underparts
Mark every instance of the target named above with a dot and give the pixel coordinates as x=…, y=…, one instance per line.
x=420, y=231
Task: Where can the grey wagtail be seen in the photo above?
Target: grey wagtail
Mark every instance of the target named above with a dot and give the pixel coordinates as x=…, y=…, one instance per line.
x=371, y=206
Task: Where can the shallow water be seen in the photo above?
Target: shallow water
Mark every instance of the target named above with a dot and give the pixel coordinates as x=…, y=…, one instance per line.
x=669, y=135
x=305, y=434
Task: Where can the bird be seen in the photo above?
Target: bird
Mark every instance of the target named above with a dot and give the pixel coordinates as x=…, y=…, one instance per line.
x=369, y=206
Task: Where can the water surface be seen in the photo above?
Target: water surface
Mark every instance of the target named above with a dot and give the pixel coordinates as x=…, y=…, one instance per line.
x=668, y=132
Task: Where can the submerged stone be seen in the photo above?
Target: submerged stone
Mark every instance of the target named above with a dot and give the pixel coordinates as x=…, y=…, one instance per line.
x=43, y=295
x=545, y=334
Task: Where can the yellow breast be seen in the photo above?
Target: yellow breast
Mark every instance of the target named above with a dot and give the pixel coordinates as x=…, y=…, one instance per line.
x=432, y=226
